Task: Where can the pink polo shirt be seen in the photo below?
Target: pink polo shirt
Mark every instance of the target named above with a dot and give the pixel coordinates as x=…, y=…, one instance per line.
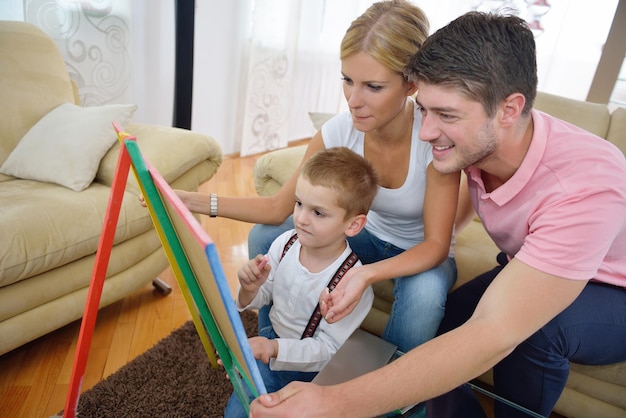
x=564, y=211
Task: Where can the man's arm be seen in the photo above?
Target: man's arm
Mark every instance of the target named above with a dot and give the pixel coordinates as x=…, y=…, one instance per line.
x=518, y=303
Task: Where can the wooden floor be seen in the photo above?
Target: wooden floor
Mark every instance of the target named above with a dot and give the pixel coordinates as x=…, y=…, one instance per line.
x=34, y=378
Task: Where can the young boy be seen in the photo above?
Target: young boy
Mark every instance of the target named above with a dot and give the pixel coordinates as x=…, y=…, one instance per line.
x=333, y=195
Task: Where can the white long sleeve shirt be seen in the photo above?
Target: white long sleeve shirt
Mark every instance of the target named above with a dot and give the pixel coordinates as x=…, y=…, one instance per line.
x=295, y=292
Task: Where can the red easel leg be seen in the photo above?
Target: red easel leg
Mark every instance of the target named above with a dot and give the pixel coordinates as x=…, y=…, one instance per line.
x=97, y=281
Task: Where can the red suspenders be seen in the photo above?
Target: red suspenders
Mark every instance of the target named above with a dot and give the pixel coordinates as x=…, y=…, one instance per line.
x=316, y=317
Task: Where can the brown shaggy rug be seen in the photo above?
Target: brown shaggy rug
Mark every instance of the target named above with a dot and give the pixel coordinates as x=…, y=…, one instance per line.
x=172, y=379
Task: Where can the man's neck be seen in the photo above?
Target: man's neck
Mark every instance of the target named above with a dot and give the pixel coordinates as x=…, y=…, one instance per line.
x=511, y=152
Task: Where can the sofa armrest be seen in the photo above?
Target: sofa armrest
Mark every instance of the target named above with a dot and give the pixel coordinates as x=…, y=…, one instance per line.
x=617, y=128
x=274, y=168
x=173, y=151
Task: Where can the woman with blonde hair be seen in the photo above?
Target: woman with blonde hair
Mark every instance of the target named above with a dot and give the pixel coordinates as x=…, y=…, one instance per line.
x=408, y=237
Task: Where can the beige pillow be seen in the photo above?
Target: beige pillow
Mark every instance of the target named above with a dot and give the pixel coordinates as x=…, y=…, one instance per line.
x=66, y=145
x=319, y=118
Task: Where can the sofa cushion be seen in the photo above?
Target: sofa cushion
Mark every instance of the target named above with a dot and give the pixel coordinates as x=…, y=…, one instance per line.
x=65, y=147
x=319, y=118
x=47, y=226
x=34, y=81
x=185, y=149
x=273, y=169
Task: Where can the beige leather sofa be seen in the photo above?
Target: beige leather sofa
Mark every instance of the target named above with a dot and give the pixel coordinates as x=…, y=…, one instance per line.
x=591, y=391
x=49, y=233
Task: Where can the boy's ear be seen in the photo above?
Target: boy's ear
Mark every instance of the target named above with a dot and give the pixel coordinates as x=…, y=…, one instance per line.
x=356, y=225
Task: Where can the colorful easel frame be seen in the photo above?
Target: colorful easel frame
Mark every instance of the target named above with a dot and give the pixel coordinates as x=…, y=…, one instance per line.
x=196, y=266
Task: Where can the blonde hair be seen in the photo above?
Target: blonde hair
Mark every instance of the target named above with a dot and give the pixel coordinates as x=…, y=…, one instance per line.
x=351, y=176
x=389, y=31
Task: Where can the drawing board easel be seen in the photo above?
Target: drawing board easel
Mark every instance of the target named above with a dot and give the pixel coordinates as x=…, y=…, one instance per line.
x=196, y=266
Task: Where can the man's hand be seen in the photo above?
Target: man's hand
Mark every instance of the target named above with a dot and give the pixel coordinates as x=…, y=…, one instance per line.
x=263, y=348
x=345, y=297
x=293, y=400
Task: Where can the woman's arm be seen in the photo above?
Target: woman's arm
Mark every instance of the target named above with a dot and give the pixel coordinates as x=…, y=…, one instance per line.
x=440, y=205
x=258, y=209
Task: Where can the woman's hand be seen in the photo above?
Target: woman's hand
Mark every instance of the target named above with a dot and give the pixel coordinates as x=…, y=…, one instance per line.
x=345, y=297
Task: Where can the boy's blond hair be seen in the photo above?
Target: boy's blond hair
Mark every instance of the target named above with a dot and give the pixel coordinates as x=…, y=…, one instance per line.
x=351, y=176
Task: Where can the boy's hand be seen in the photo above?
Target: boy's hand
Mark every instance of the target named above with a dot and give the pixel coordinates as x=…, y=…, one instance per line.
x=253, y=274
x=263, y=348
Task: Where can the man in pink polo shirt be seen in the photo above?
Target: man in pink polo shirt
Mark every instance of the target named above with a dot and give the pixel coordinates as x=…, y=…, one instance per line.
x=552, y=197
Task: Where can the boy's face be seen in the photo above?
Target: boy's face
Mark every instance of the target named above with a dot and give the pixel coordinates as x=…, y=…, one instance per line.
x=318, y=220
x=458, y=128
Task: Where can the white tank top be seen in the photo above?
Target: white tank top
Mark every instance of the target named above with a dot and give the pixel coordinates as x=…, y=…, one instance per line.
x=396, y=215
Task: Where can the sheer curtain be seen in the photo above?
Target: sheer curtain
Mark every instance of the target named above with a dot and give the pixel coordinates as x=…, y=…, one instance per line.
x=293, y=62
x=293, y=68
x=95, y=40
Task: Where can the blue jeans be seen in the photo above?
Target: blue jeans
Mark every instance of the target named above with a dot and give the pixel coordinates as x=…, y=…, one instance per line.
x=274, y=381
x=592, y=330
x=420, y=299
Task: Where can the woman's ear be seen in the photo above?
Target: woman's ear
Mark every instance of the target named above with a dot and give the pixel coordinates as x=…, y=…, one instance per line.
x=355, y=225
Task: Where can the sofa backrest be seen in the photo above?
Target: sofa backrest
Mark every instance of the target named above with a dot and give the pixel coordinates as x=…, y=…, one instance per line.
x=617, y=128
x=593, y=117
x=33, y=81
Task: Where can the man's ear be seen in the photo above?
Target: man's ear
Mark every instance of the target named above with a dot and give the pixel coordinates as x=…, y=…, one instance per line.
x=355, y=225
x=512, y=108
x=412, y=88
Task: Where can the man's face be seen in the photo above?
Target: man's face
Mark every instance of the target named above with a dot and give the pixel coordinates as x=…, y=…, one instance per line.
x=456, y=127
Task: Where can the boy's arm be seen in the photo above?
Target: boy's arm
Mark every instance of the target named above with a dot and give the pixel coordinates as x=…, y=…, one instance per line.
x=311, y=354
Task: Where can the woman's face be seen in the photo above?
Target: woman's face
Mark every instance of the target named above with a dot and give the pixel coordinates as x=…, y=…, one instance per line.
x=375, y=94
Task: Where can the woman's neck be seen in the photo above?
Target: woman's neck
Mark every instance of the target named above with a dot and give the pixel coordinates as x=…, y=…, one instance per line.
x=397, y=130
